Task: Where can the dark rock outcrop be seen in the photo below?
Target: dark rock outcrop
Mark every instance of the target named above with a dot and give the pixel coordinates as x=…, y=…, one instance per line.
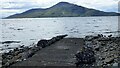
x=43, y=43
x=85, y=57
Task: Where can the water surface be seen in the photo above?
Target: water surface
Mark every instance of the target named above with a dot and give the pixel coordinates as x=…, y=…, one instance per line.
x=30, y=30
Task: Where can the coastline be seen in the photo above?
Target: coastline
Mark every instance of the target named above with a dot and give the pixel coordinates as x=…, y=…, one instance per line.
x=106, y=51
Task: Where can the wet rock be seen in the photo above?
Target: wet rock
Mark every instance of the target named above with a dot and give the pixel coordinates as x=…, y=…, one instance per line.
x=104, y=39
x=22, y=46
x=8, y=42
x=110, y=35
x=100, y=35
x=61, y=36
x=109, y=60
x=13, y=60
x=115, y=64
x=19, y=29
x=88, y=38
x=42, y=43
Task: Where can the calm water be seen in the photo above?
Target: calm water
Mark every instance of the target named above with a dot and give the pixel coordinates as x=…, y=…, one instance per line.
x=30, y=30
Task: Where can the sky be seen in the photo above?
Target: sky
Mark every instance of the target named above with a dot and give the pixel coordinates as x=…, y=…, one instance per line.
x=10, y=7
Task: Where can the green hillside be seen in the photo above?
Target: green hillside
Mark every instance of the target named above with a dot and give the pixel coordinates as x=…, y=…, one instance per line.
x=62, y=9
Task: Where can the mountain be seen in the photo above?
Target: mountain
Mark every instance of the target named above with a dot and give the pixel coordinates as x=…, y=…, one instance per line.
x=62, y=9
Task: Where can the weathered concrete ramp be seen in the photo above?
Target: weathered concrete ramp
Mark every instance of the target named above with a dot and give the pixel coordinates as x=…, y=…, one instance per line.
x=60, y=53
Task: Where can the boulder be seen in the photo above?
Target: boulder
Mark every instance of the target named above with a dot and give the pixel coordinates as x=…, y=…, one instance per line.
x=42, y=43
x=85, y=57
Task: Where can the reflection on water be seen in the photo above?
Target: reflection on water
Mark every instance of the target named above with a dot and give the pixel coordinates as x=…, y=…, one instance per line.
x=31, y=30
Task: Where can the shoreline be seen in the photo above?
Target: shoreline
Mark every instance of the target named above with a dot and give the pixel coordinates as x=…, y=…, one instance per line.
x=105, y=46
x=22, y=53
x=59, y=17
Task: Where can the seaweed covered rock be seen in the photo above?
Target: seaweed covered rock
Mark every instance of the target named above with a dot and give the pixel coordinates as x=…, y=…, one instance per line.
x=43, y=43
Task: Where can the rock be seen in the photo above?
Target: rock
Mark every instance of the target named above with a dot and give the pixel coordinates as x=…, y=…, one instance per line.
x=104, y=39
x=4, y=61
x=13, y=60
x=61, y=36
x=105, y=50
x=103, y=43
x=111, y=49
x=110, y=35
x=25, y=49
x=8, y=42
x=30, y=53
x=97, y=47
x=85, y=57
x=88, y=38
x=16, y=53
x=9, y=57
x=100, y=35
x=109, y=60
x=101, y=58
x=115, y=64
x=35, y=49
x=108, y=64
x=22, y=46
x=42, y=43
x=19, y=29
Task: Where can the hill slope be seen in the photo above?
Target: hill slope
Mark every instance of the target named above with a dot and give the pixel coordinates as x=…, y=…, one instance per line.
x=62, y=9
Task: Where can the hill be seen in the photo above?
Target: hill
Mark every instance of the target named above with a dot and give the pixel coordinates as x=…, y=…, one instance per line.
x=62, y=9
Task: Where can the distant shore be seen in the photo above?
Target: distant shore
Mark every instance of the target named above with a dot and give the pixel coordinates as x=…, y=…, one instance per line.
x=106, y=52
x=60, y=17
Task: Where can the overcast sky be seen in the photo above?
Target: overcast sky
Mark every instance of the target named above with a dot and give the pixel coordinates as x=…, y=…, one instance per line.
x=10, y=7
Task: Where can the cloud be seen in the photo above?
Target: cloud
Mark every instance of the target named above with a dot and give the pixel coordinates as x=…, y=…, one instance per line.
x=8, y=7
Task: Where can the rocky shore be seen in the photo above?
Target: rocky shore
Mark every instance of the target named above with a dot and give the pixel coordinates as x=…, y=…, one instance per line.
x=22, y=53
x=97, y=51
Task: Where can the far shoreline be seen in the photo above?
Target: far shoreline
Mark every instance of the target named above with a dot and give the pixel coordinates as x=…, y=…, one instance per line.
x=59, y=17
